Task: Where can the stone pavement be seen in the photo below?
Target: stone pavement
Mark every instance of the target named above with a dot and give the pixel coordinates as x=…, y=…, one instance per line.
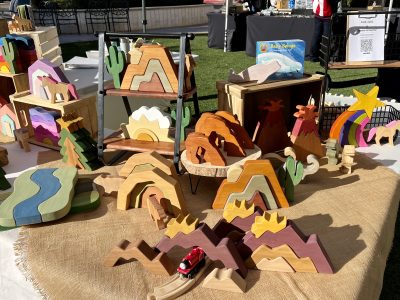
x=73, y=38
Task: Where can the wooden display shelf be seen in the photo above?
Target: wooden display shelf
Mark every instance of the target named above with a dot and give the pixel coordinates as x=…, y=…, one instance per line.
x=84, y=107
x=20, y=81
x=120, y=143
x=111, y=91
x=366, y=65
x=244, y=99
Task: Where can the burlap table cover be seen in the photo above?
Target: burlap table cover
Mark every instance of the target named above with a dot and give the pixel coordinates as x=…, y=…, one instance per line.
x=353, y=215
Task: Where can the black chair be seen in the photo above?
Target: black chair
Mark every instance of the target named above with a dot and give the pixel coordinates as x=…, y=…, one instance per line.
x=66, y=15
x=97, y=14
x=119, y=12
x=44, y=14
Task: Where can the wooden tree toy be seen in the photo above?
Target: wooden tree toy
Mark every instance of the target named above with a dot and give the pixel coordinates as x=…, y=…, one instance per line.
x=202, y=149
x=115, y=63
x=347, y=159
x=22, y=136
x=186, y=118
x=271, y=133
x=4, y=184
x=389, y=131
x=3, y=157
x=332, y=151
x=290, y=175
x=305, y=137
x=77, y=146
x=10, y=54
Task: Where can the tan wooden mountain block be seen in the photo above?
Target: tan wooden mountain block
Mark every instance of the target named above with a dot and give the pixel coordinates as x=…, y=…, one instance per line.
x=154, y=66
x=298, y=264
x=149, y=160
x=150, y=52
x=278, y=264
x=225, y=280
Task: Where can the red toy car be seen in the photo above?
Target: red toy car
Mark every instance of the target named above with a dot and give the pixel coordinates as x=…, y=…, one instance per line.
x=192, y=263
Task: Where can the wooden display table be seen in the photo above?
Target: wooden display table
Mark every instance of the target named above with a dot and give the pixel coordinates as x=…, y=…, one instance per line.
x=243, y=99
x=85, y=107
x=208, y=170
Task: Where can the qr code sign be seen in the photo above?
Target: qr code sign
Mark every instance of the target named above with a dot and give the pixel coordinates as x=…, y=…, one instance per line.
x=366, y=46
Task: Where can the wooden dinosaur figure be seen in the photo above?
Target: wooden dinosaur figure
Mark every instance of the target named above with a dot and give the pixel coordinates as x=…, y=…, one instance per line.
x=389, y=130
x=23, y=24
x=347, y=158
x=157, y=212
x=201, y=149
x=66, y=90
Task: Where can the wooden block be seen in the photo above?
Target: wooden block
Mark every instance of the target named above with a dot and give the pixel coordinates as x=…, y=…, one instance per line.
x=3, y=27
x=47, y=46
x=168, y=185
x=278, y=264
x=268, y=222
x=234, y=173
x=148, y=124
x=154, y=67
x=3, y=157
x=156, y=212
x=225, y=280
x=22, y=136
x=312, y=166
x=115, y=63
x=85, y=201
x=284, y=252
x=215, y=248
x=184, y=224
x=45, y=127
x=347, y=159
x=212, y=123
x=148, y=160
x=41, y=195
x=258, y=200
x=203, y=149
x=154, y=85
x=157, y=263
x=150, y=190
x=251, y=168
x=259, y=72
x=176, y=286
x=152, y=52
x=237, y=209
x=301, y=245
x=256, y=183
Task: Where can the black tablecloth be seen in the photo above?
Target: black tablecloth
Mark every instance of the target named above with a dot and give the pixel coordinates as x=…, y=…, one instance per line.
x=236, y=31
x=269, y=28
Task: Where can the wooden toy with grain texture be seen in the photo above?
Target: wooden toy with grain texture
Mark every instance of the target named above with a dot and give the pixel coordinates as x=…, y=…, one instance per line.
x=348, y=128
x=10, y=54
x=347, y=159
x=148, y=124
x=388, y=131
x=45, y=127
x=235, y=138
x=157, y=212
x=132, y=192
x=19, y=24
x=202, y=149
x=305, y=137
x=8, y=120
x=152, y=69
x=256, y=175
x=332, y=151
x=186, y=118
x=78, y=148
x=65, y=90
x=271, y=133
x=290, y=175
x=225, y=280
x=22, y=137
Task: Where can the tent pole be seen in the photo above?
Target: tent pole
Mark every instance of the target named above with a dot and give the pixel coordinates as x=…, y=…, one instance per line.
x=226, y=25
x=144, y=20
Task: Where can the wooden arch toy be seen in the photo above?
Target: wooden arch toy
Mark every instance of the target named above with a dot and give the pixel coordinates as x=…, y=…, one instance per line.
x=200, y=149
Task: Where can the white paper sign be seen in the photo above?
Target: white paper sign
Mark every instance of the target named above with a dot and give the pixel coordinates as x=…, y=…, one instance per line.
x=366, y=38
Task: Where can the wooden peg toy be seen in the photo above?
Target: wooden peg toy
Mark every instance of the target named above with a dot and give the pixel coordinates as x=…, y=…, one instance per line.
x=22, y=136
x=347, y=159
x=332, y=151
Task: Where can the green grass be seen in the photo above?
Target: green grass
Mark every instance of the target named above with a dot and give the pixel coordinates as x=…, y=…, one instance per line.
x=214, y=64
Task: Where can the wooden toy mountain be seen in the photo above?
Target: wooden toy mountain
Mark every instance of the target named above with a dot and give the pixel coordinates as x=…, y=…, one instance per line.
x=305, y=137
x=271, y=133
x=247, y=238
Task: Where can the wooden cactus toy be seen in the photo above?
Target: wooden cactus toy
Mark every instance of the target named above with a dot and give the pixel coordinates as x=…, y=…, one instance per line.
x=10, y=54
x=186, y=117
x=115, y=62
x=290, y=176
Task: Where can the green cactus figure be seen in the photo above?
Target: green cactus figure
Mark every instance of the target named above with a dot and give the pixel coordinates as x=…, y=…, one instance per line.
x=10, y=54
x=290, y=176
x=186, y=117
x=115, y=62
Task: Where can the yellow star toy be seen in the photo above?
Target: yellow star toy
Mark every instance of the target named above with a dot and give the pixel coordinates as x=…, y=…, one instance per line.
x=367, y=101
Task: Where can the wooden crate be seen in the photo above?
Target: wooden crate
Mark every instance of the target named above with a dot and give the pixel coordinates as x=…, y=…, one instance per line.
x=47, y=44
x=84, y=107
x=243, y=99
x=3, y=27
x=20, y=83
